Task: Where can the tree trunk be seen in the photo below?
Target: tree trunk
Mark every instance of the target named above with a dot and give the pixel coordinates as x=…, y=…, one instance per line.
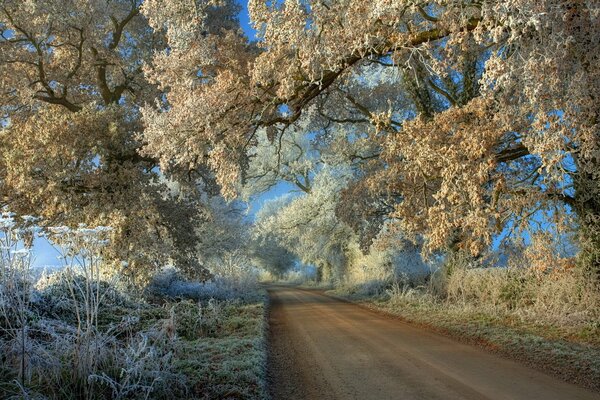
x=588, y=212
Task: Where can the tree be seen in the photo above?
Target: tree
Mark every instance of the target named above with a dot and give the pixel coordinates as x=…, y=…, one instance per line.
x=226, y=231
x=291, y=158
x=307, y=225
x=499, y=117
x=267, y=249
x=72, y=84
x=267, y=253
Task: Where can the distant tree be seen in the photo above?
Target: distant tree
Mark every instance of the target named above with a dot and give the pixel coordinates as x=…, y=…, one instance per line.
x=267, y=253
x=308, y=227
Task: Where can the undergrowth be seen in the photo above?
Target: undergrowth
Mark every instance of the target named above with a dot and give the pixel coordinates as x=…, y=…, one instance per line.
x=76, y=334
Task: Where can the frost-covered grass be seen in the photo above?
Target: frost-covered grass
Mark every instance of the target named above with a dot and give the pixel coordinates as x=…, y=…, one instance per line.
x=231, y=364
x=79, y=334
x=179, y=349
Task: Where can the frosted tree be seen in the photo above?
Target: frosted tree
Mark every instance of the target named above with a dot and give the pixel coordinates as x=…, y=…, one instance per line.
x=290, y=157
x=307, y=225
x=499, y=117
x=72, y=83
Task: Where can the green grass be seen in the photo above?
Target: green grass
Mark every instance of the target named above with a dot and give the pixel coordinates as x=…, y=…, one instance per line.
x=223, y=368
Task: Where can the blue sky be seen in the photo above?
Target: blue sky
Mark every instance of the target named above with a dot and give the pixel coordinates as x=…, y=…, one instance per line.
x=245, y=20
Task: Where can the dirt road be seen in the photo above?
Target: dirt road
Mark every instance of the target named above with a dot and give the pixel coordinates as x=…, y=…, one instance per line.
x=323, y=348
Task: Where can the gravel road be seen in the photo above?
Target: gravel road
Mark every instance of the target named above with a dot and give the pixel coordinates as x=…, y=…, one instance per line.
x=324, y=348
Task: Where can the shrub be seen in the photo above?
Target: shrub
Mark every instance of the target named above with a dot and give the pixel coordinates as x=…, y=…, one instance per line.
x=227, y=284
x=54, y=297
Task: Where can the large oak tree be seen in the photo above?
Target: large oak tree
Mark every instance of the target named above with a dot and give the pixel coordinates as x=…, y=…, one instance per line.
x=72, y=84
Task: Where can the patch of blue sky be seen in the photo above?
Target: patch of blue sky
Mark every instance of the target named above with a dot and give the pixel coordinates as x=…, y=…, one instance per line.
x=44, y=254
x=245, y=23
x=284, y=109
x=280, y=189
x=542, y=220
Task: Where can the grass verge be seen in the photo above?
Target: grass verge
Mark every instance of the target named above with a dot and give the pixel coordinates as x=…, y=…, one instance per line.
x=208, y=349
x=232, y=364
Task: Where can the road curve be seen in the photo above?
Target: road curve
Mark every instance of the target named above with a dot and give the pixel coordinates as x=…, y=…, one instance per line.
x=324, y=348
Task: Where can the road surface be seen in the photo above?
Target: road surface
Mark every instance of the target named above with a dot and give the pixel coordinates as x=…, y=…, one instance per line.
x=324, y=349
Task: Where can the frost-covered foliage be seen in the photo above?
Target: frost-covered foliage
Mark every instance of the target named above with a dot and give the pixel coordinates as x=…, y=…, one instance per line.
x=290, y=157
x=266, y=249
x=308, y=227
x=223, y=237
x=74, y=334
x=480, y=112
x=51, y=336
x=374, y=272
x=272, y=257
x=234, y=279
x=536, y=286
x=72, y=81
x=459, y=119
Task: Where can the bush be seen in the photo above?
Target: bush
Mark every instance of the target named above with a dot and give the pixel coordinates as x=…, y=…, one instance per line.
x=170, y=284
x=55, y=299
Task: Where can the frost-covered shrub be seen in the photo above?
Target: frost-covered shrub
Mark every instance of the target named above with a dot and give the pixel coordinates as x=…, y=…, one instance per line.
x=163, y=281
x=233, y=277
x=170, y=284
x=55, y=299
x=74, y=334
x=16, y=292
x=409, y=266
x=300, y=274
x=557, y=296
x=534, y=285
x=235, y=273
x=143, y=369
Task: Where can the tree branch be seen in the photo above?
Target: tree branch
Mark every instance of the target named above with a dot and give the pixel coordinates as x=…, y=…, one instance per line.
x=120, y=26
x=512, y=153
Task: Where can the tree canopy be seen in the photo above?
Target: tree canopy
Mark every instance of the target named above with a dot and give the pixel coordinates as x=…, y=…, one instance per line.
x=455, y=120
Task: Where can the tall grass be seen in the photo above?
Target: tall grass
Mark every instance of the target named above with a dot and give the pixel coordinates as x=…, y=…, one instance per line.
x=534, y=285
x=51, y=339
x=556, y=296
